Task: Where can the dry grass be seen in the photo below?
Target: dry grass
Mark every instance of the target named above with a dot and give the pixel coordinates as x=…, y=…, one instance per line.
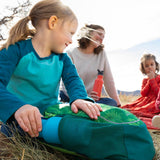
x=16, y=148
x=30, y=149
x=127, y=99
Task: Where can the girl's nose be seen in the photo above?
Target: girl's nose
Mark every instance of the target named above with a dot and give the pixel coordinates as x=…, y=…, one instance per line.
x=150, y=66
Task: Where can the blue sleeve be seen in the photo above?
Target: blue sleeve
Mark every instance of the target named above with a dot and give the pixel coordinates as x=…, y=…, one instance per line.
x=73, y=83
x=9, y=103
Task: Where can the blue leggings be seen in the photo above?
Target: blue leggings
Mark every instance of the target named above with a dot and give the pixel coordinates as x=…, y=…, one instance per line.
x=107, y=101
x=49, y=129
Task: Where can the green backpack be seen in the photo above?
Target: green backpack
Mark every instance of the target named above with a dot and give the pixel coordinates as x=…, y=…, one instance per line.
x=116, y=135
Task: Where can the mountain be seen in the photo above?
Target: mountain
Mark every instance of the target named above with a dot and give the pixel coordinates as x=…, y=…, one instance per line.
x=127, y=93
x=150, y=46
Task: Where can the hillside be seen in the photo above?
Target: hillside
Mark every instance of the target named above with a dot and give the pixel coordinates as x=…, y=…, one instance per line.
x=127, y=93
x=152, y=46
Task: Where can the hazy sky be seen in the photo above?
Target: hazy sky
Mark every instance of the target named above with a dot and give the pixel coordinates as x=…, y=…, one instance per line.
x=127, y=22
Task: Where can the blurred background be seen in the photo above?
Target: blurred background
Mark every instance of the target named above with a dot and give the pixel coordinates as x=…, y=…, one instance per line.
x=132, y=29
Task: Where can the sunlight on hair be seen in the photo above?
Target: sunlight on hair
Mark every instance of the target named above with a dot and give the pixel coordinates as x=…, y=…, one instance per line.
x=85, y=33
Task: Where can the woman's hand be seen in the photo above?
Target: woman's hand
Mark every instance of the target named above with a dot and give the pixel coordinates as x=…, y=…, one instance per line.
x=93, y=95
x=29, y=119
x=92, y=109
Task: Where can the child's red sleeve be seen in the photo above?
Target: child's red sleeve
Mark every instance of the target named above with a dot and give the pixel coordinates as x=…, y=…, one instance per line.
x=145, y=87
x=154, y=86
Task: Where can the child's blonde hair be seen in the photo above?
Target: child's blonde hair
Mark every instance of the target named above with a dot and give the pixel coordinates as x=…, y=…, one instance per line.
x=148, y=57
x=42, y=10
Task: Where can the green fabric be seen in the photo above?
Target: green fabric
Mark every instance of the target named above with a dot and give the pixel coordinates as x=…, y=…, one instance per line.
x=109, y=115
x=116, y=135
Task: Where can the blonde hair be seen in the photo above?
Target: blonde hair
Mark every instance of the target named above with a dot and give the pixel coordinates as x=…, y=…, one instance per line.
x=42, y=10
x=146, y=57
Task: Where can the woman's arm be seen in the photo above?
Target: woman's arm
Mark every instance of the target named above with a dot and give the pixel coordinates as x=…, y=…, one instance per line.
x=109, y=82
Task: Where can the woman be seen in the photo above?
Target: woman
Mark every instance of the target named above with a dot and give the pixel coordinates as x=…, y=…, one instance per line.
x=89, y=57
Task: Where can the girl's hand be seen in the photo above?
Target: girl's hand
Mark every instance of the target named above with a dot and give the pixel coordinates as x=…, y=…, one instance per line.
x=93, y=95
x=92, y=109
x=29, y=119
x=151, y=75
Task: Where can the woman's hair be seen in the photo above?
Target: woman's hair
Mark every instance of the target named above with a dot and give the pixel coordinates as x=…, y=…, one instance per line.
x=42, y=10
x=84, y=41
x=146, y=57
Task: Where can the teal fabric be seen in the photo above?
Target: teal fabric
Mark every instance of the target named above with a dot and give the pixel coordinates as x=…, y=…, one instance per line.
x=116, y=135
x=26, y=78
x=34, y=80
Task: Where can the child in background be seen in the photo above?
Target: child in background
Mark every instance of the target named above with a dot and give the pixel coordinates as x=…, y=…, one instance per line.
x=145, y=105
x=32, y=63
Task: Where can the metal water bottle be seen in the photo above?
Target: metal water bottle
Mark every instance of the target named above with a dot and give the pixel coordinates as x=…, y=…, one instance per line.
x=98, y=83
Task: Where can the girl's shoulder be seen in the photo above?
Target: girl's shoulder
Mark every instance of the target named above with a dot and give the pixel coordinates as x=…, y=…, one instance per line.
x=23, y=44
x=145, y=79
x=158, y=76
x=104, y=53
x=17, y=48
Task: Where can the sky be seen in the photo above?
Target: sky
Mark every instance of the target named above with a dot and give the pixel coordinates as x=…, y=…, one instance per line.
x=126, y=22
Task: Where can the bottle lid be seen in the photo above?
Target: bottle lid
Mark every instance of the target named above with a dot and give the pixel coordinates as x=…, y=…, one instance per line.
x=100, y=72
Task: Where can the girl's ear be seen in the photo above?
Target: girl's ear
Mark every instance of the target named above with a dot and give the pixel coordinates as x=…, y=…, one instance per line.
x=52, y=21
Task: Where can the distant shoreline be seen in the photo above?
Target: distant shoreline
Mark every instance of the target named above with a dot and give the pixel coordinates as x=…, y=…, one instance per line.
x=133, y=93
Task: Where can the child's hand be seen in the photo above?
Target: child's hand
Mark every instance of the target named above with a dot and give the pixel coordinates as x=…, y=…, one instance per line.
x=151, y=75
x=92, y=109
x=29, y=119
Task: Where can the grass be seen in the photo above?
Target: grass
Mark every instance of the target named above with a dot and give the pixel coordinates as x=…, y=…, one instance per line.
x=127, y=99
x=17, y=148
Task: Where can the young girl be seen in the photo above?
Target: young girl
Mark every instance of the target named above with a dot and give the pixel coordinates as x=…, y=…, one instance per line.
x=32, y=63
x=145, y=105
x=89, y=57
